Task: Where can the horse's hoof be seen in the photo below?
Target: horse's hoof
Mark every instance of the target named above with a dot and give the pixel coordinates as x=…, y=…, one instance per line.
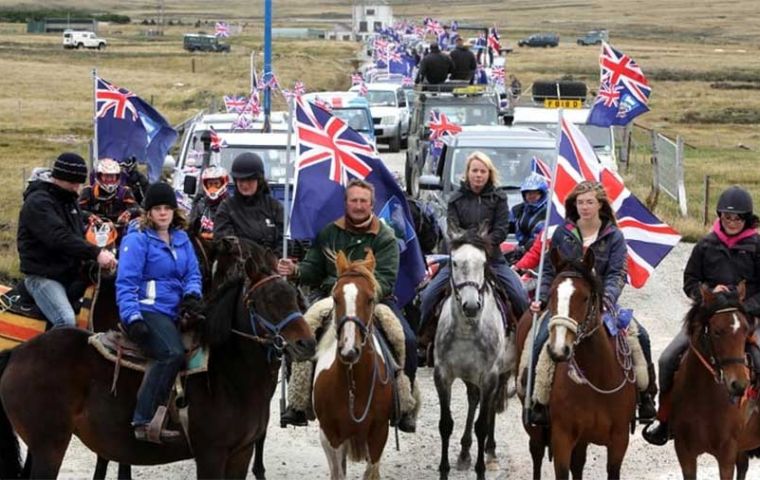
x=464, y=462
x=492, y=463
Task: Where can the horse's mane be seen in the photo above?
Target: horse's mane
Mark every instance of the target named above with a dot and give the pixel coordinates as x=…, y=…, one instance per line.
x=588, y=275
x=358, y=268
x=699, y=313
x=221, y=310
x=471, y=237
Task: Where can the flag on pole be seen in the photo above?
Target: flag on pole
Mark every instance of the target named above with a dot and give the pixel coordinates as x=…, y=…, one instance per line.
x=542, y=168
x=330, y=154
x=623, y=90
x=221, y=29
x=648, y=239
x=234, y=104
x=440, y=125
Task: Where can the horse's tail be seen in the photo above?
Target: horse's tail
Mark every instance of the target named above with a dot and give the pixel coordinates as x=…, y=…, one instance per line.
x=10, y=455
x=357, y=449
x=502, y=393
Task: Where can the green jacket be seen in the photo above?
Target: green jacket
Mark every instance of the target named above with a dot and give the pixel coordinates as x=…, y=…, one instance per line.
x=318, y=271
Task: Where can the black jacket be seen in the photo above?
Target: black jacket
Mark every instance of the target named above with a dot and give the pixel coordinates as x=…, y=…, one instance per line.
x=464, y=64
x=258, y=218
x=468, y=210
x=434, y=68
x=139, y=185
x=50, y=237
x=712, y=262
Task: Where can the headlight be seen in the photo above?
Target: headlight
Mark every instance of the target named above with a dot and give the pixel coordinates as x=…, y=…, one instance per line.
x=388, y=119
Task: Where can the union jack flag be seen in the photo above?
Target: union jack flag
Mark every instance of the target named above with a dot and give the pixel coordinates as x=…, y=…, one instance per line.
x=252, y=104
x=493, y=40
x=648, y=239
x=434, y=27
x=114, y=99
x=394, y=55
x=440, y=125
x=624, y=91
x=356, y=79
x=234, y=104
x=498, y=75
x=407, y=82
x=540, y=167
x=272, y=83
x=363, y=90
x=217, y=142
x=207, y=225
x=242, y=122
x=299, y=89
x=221, y=29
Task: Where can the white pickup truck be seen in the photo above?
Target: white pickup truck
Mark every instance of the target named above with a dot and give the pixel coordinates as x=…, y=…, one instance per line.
x=82, y=39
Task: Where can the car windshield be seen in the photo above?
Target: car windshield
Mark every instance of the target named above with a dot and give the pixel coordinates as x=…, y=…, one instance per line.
x=355, y=118
x=599, y=137
x=466, y=114
x=512, y=163
x=381, y=98
x=273, y=157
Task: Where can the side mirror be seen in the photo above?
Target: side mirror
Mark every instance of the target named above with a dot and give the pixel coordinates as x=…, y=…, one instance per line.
x=190, y=185
x=430, y=182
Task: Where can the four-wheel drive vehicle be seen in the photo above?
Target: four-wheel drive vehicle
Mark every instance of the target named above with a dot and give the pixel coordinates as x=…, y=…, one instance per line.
x=594, y=37
x=350, y=107
x=390, y=115
x=540, y=40
x=510, y=148
x=203, y=43
x=462, y=105
x=82, y=39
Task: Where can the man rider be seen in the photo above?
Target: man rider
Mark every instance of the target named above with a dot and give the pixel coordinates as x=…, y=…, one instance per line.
x=51, y=242
x=354, y=233
x=135, y=179
x=214, y=183
x=107, y=197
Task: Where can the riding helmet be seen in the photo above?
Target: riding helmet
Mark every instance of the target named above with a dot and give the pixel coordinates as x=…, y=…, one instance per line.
x=735, y=200
x=247, y=165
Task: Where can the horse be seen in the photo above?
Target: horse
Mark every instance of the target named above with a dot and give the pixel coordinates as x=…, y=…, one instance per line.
x=713, y=376
x=57, y=385
x=350, y=364
x=593, y=398
x=472, y=343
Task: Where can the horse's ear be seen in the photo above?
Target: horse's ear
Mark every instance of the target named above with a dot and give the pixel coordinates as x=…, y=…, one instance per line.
x=556, y=257
x=271, y=259
x=741, y=290
x=708, y=297
x=369, y=260
x=341, y=262
x=483, y=229
x=251, y=269
x=454, y=230
x=589, y=259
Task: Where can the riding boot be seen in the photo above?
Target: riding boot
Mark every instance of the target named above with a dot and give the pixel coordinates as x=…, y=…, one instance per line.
x=647, y=409
x=658, y=432
x=538, y=414
x=293, y=417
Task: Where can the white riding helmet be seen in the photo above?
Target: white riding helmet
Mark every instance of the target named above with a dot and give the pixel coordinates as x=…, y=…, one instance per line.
x=214, y=173
x=108, y=176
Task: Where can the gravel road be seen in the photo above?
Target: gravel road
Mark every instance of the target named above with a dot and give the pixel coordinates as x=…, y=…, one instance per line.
x=296, y=453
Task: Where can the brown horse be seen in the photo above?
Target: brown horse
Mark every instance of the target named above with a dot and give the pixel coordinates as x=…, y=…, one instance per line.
x=601, y=409
x=353, y=399
x=708, y=416
x=57, y=385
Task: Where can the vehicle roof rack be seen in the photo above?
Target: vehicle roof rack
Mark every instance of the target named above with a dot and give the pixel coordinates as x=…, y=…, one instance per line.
x=456, y=88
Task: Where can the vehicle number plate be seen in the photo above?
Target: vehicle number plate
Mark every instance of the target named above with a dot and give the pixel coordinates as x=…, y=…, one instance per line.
x=562, y=103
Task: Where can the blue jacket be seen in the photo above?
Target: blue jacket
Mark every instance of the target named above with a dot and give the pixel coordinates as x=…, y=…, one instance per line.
x=610, y=252
x=528, y=221
x=153, y=277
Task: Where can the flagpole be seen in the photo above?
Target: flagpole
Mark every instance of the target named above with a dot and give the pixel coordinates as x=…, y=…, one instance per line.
x=544, y=239
x=288, y=175
x=94, y=153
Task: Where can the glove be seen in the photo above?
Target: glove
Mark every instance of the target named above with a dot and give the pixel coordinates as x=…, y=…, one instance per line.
x=609, y=306
x=138, y=332
x=191, y=312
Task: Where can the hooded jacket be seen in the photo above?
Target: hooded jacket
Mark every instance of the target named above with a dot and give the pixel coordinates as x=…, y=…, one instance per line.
x=258, y=218
x=468, y=210
x=434, y=68
x=610, y=253
x=718, y=259
x=528, y=221
x=465, y=64
x=50, y=237
x=153, y=276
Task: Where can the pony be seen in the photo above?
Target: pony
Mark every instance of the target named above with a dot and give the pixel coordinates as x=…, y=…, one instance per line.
x=593, y=398
x=57, y=385
x=350, y=365
x=472, y=343
x=711, y=380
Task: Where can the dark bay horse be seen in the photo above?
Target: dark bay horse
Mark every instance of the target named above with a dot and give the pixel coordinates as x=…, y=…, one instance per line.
x=57, y=385
x=709, y=415
x=353, y=399
x=601, y=409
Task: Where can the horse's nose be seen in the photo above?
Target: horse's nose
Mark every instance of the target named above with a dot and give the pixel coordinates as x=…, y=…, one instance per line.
x=565, y=351
x=308, y=346
x=738, y=387
x=471, y=308
x=350, y=355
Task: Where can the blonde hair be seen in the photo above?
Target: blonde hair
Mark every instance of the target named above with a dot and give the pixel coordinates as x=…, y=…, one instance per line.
x=179, y=220
x=605, y=210
x=493, y=174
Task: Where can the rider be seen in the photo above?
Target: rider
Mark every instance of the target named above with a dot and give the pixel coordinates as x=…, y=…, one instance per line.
x=252, y=212
x=107, y=197
x=214, y=183
x=590, y=223
x=527, y=218
x=157, y=280
x=354, y=233
x=51, y=242
x=723, y=258
x=479, y=202
x=134, y=178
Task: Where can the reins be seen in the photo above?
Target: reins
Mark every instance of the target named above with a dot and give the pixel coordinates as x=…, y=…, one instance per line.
x=715, y=365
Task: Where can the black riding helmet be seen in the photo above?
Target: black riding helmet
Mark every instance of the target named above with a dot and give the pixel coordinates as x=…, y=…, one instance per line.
x=247, y=165
x=735, y=200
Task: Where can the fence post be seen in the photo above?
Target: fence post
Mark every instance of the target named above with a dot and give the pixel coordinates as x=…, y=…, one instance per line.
x=655, y=193
x=192, y=65
x=680, y=176
x=625, y=148
x=706, y=205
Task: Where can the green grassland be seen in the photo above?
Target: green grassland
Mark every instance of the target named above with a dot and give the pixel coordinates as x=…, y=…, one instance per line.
x=686, y=48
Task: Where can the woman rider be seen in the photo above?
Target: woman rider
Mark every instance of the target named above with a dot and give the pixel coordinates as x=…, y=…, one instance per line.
x=157, y=282
x=478, y=202
x=252, y=212
x=723, y=258
x=590, y=223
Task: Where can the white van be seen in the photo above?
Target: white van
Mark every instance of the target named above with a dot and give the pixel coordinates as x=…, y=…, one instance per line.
x=82, y=39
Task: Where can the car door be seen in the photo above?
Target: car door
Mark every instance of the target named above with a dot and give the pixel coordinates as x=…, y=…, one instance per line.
x=403, y=107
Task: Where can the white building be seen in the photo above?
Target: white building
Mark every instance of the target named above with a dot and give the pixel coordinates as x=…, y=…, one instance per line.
x=367, y=17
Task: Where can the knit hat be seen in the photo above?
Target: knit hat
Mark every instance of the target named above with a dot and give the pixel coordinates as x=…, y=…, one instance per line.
x=70, y=167
x=160, y=194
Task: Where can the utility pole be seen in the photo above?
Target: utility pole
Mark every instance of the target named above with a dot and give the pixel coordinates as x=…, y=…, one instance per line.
x=161, y=18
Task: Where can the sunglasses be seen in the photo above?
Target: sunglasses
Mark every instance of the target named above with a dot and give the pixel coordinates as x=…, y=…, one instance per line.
x=731, y=217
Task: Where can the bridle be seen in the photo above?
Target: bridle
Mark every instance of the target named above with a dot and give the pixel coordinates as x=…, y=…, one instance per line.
x=455, y=288
x=365, y=330
x=713, y=363
x=581, y=329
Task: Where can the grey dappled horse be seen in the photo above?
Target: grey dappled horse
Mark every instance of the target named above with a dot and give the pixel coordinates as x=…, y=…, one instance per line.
x=472, y=344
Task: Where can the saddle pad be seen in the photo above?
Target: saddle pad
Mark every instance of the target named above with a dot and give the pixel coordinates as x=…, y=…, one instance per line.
x=108, y=343
x=16, y=329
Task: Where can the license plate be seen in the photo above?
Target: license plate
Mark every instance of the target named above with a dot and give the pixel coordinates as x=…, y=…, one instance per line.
x=562, y=103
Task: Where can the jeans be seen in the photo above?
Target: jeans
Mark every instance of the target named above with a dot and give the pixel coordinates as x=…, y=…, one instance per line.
x=508, y=278
x=164, y=347
x=52, y=300
x=410, y=340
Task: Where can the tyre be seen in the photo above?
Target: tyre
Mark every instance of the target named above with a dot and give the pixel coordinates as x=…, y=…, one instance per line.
x=101, y=46
x=394, y=145
x=408, y=174
x=414, y=185
x=79, y=46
